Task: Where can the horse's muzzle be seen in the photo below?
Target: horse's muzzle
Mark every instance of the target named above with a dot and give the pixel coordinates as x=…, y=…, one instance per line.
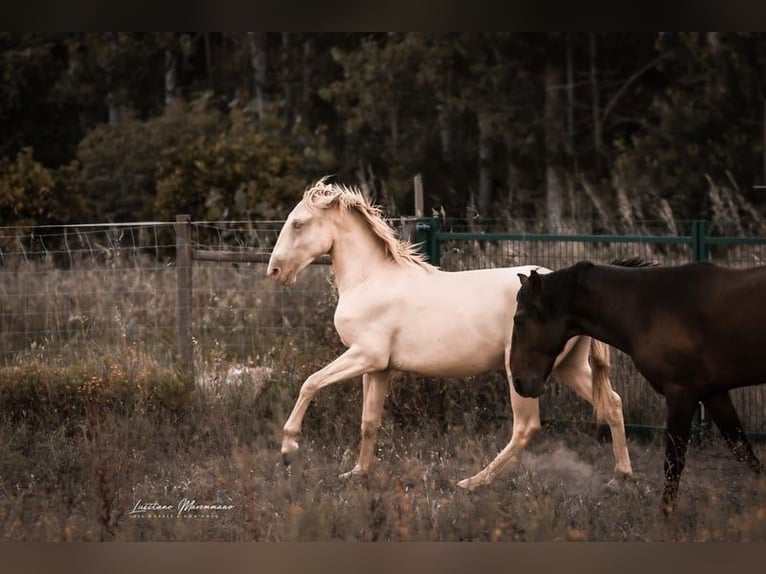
x=281, y=275
x=528, y=388
x=275, y=270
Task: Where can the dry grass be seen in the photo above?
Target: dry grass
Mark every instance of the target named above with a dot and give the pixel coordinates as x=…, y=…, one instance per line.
x=75, y=462
x=94, y=417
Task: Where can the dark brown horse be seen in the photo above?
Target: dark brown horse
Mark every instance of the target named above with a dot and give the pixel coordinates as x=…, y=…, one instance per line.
x=694, y=331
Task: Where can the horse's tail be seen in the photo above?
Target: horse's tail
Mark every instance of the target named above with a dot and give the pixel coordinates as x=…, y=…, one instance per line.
x=602, y=388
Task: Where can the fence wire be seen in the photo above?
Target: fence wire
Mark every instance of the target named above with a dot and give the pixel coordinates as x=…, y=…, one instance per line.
x=68, y=290
x=641, y=404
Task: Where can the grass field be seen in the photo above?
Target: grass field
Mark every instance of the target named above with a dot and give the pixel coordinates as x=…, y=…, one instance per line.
x=101, y=439
x=85, y=462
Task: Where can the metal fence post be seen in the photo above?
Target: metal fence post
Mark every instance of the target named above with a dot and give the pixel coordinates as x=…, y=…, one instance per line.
x=700, y=248
x=424, y=237
x=700, y=252
x=184, y=292
x=434, y=248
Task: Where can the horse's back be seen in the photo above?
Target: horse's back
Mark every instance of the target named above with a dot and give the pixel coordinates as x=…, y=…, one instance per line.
x=702, y=321
x=449, y=323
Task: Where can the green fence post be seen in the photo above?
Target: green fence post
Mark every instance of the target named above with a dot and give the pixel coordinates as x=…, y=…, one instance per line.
x=700, y=252
x=423, y=236
x=434, y=248
x=700, y=247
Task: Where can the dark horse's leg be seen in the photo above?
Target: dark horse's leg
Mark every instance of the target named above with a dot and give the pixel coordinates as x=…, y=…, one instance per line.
x=681, y=409
x=722, y=411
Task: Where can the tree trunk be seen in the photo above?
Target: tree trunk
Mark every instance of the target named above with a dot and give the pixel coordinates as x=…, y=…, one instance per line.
x=485, y=162
x=445, y=132
x=763, y=143
x=554, y=188
x=171, y=77
x=570, y=99
x=114, y=109
x=208, y=61
x=114, y=99
x=394, y=128
x=258, y=62
x=445, y=116
x=597, y=126
x=514, y=184
x=75, y=66
x=308, y=62
x=287, y=87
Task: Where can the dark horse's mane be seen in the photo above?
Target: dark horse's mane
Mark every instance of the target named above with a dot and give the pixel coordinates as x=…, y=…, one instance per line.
x=632, y=262
x=565, y=280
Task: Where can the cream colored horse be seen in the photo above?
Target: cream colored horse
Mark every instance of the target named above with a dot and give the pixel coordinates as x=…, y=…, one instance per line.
x=398, y=313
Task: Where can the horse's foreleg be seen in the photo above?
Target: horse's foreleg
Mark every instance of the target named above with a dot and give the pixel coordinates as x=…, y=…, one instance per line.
x=723, y=413
x=375, y=387
x=526, y=422
x=352, y=363
x=681, y=410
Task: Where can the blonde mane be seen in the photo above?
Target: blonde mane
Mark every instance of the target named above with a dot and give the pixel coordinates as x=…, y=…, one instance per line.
x=323, y=195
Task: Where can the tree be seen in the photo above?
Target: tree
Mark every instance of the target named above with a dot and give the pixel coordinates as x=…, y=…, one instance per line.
x=31, y=194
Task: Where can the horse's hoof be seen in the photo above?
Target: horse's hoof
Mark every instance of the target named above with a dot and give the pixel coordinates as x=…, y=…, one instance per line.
x=667, y=507
x=288, y=458
x=289, y=448
x=350, y=474
x=469, y=484
x=619, y=481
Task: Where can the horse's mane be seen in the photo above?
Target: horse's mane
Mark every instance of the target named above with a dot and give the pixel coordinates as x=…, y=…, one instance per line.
x=632, y=262
x=323, y=195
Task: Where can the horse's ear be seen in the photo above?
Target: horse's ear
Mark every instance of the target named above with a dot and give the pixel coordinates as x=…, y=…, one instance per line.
x=535, y=283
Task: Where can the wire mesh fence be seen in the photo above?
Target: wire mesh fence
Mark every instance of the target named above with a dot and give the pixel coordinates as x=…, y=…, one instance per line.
x=68, y=290
x=237, y=310
x=642, y=405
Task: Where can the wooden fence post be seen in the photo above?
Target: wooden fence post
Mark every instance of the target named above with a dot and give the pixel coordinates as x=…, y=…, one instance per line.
x=184, y=293
x=418, y=185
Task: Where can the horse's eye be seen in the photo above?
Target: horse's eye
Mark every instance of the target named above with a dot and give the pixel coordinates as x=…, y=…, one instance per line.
x=519, y=321
x=297, y=224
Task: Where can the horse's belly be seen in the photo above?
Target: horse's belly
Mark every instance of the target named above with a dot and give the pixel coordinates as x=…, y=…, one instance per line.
x=440, y=358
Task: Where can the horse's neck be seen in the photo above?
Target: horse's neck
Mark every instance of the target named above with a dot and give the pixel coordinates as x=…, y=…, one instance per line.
x=602, y=311
x=356, y=252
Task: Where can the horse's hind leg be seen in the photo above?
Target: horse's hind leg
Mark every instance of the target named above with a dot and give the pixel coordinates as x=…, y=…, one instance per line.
x=526, y=422
x=375, y=387
x=681, y=410
x=575, y=371
x=723, y=413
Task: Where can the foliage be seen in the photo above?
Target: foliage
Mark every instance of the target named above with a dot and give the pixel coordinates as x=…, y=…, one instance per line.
x=46, y=394
x=241, y=172
x=155, y=119
x=120, y=161
x=696, y=128
x=32, y=194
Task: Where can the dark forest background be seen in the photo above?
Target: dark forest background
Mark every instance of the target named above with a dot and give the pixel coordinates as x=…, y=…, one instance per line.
x=603, y=127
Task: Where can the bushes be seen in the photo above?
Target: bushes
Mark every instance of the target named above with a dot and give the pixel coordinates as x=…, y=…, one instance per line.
x=32, y=194
x=119, y=162
x=242, y=172
x=193, y=159
x=49, y=395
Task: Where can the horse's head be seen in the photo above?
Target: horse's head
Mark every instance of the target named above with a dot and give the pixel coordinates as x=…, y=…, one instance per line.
x=306, y=234
x=539, y=335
